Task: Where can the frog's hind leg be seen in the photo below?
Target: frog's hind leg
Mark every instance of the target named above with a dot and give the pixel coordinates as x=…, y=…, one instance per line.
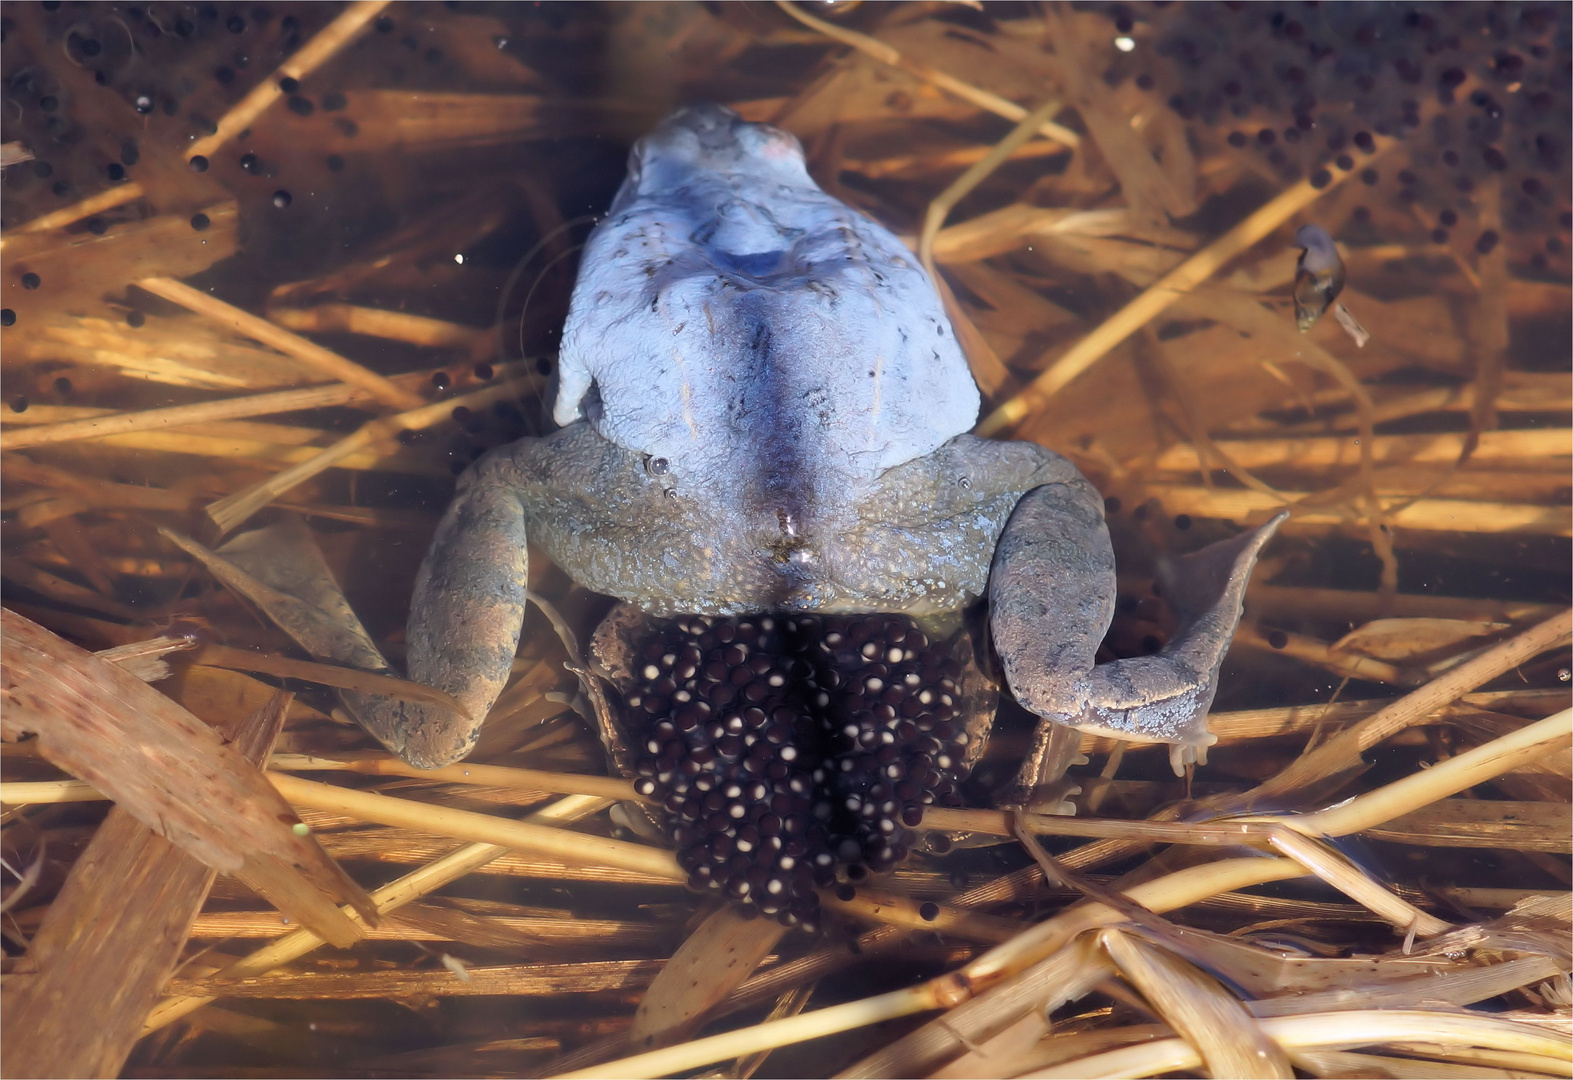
x=465, y=617
x=1051, y=599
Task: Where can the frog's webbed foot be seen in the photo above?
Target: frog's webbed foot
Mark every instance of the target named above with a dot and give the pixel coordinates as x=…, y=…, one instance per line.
x=465, y=618
x=1051, y=599
x=1041, y=785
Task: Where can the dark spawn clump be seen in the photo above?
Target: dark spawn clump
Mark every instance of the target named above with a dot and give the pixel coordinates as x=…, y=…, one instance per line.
x=1306, y=87
x=788, y=751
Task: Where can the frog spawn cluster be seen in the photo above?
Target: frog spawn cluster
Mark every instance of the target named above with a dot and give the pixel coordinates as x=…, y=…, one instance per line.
x=1305, y=89
x=790, y=752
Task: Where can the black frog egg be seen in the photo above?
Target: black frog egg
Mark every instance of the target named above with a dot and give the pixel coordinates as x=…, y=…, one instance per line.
x=789, y=751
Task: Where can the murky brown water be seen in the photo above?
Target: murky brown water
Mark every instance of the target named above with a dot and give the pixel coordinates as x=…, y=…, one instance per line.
x=415, y=202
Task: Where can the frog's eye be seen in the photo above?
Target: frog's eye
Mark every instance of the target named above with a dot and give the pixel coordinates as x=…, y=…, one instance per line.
x=779, y=144
x=770, y=143
x=657, y=466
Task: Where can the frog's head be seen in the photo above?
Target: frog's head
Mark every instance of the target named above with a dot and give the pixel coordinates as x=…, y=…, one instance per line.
x=708, y=141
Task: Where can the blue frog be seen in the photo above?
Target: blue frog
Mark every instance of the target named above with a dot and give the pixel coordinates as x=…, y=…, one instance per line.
x=764, y=408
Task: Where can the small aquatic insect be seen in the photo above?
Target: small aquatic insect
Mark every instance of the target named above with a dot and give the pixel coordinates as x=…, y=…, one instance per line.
x=1318, y=276
x=1318, y=279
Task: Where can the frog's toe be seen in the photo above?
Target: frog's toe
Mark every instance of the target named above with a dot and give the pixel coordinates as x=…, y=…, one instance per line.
x=1051, y=598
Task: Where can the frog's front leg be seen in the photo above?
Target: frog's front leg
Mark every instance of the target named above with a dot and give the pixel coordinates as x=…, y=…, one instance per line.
x=465, y=617
x=594, y=507
x=1051, y=599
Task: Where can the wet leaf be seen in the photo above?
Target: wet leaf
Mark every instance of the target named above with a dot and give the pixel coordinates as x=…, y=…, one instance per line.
x=720, y=953
x=103, y=725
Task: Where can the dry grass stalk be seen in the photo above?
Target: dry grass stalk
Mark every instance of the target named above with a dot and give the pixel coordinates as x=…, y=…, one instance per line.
x=482, y=828
x=1348, y=879
x=1431, y=515
x=97, y=722
x=885, y=54
x=1348, y=1063
x=791, y=1003
x=1464, y=985
x=1445, y=778
x=1021, y=224
x=180, y=416
x=22, y=793
x=770, y=984
x=229, y=512
x=314, y=356
x=989, y=372
x=768, y=1036
x=430, y=923
x=1320, y=653
x=1341, y=605
x=431, y=122
x=180, y=350
x=267, y=445
x=324, y=675
x=1545, y=447
x=1522, y=391
x=1342, y=751
x=1146, y=188
x=145, y=659
x=1156, y=299
x=375, y=322
x=1001, y=823
x=58, y=588
x=108, y=199
x=531, y=980
x=428, y=879
x=908, y=165
x=1067, y=975
x=1209, y=1018
x=110, y=940
x=1001, y=1053
x=1403, y=797
x=316, y=52
x=486, y=1057
x=1339, y=1030
x=1487, y=326
x=82, y=266
x=1421, y=640
x=305, y=60
x=14, y=153
x=1531, y=1064
x=943, y=203
x=950, y=990
x=379, y=764
x=1178, y=889
x=1495, y=824
x=403, y=847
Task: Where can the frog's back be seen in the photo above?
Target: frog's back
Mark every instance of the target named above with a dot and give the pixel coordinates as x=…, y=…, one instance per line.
x=730, y=315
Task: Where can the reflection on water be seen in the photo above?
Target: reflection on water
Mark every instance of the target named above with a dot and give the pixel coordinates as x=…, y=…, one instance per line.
x=351, y=218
